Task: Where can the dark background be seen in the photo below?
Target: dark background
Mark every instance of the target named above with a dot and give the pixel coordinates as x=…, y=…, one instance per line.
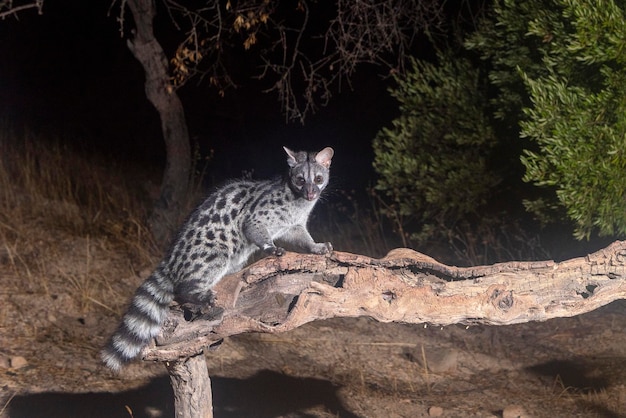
x=69, y=76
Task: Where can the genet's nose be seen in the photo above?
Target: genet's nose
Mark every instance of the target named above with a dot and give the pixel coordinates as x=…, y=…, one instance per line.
x=310, y=192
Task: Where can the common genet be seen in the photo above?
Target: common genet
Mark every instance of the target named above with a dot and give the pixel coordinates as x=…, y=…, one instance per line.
x=217, y=239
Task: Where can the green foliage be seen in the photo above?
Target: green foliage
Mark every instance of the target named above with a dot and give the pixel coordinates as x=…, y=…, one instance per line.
x=502, y=42
x=433, y=161
x=577, y=115
x=556, y=82
x=558, y=68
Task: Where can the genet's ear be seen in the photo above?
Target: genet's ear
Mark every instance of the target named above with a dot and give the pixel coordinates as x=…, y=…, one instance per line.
x=291, y=157
x=324, y=157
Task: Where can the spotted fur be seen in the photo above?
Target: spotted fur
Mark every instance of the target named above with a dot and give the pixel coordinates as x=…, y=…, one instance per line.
x=217, y=239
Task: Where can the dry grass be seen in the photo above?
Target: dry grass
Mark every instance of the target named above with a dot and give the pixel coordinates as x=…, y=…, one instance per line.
x=69, y=222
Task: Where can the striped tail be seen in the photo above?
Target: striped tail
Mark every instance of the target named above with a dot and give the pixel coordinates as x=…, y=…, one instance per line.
x=141, y=323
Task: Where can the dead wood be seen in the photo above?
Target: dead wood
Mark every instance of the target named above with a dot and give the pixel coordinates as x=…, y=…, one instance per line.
x=278, y=294
x=190, y=381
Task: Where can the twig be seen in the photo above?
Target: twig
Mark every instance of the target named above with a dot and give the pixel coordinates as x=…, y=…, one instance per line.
x=14, y=10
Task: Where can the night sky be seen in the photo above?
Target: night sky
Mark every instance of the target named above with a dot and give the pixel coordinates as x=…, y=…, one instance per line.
x=68, y=74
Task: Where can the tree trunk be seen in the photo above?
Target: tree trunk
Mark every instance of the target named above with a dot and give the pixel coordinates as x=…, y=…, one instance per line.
x=192, y=387
x=175, y=184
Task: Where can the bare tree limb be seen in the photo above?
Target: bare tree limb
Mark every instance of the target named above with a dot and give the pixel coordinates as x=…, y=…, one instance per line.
x=302, y=58
x=9, y=8
x=192, y=387
x=278, y=294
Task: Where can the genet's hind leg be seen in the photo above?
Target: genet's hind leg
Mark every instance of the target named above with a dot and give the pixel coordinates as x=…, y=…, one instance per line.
x=197, y=303
x=190, y=292
x=193, y=312
x=201, y=307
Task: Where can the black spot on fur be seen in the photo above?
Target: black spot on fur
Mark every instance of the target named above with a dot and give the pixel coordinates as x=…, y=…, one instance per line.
x=255, y=204
x=208, y=203
x=193, y=218
x=228, y=190
x=240, y=195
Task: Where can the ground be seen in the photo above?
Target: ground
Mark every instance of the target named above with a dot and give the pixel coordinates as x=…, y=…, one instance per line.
x=62, y=296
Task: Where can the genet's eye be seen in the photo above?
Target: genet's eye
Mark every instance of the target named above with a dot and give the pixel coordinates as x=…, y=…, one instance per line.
x=300, y=181
x=319, y=179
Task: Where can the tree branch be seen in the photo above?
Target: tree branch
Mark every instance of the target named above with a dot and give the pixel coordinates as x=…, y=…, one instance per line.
x=279, y=294
x=302, y=62
x=7, y=8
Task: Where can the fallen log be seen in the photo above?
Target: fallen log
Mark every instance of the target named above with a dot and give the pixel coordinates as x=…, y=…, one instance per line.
x=277, y=294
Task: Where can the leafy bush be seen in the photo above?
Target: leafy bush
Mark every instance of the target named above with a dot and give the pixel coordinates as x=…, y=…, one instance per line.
x=433, y=160
x=558, y=67
x=578, y=115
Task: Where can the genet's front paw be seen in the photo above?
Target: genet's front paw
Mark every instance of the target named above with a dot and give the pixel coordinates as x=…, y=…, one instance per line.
x=322, y=248
x=273, y=250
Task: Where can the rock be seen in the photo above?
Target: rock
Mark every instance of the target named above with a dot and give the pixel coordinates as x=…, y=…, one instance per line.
x=17, y=362
x=435, y=411
x=514, y=411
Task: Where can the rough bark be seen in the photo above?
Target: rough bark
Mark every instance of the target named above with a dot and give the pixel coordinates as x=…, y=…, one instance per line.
x=175, y=184
x=192, y=387
x=278, y=294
